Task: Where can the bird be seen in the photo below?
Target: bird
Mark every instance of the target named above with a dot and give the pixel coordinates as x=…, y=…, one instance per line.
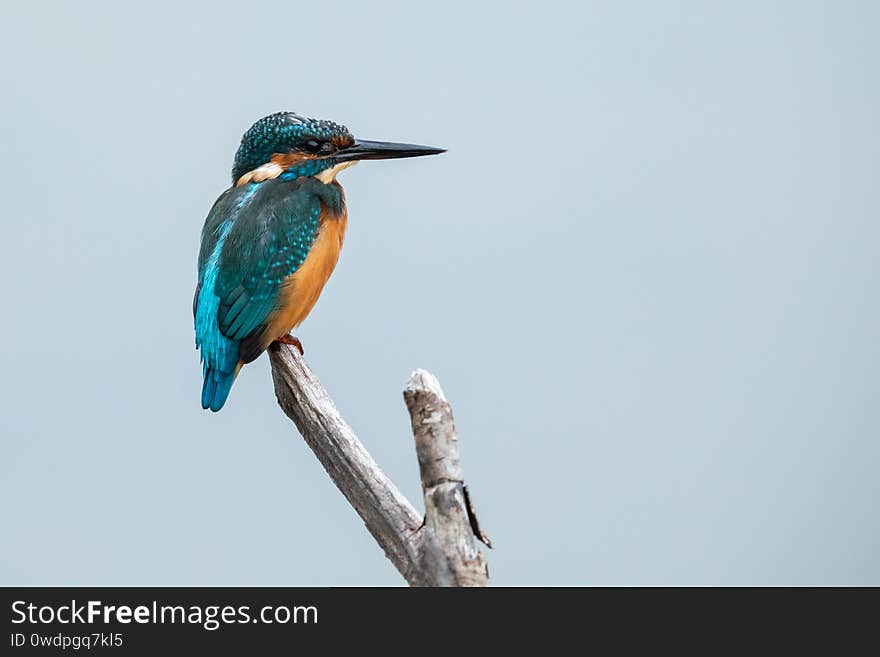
x=271, y=241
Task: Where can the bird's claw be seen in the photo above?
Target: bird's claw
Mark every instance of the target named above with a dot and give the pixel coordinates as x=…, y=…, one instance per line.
x=289, y=339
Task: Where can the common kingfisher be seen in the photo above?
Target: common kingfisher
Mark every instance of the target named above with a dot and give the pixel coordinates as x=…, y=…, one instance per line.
x=271, y=241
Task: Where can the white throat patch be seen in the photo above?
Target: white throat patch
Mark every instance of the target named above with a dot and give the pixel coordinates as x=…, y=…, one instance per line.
x=327, y=176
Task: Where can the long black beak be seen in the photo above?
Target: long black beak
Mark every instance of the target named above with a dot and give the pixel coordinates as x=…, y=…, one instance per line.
x=383, y=150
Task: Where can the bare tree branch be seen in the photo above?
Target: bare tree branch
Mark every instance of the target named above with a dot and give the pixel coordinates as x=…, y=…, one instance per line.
x=449, y=551
x=439, y=551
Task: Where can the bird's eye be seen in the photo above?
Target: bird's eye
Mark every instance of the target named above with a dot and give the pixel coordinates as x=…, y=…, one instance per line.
x=312, y=146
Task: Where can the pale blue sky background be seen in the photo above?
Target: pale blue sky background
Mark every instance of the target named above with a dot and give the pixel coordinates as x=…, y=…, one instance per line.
x=646, y=273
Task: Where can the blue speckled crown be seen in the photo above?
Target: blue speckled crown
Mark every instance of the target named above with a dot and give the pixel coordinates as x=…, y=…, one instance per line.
x=279, y=133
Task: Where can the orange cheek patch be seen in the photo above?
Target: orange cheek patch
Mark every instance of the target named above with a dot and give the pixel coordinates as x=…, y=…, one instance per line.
x=342, y=141
x=287, y=160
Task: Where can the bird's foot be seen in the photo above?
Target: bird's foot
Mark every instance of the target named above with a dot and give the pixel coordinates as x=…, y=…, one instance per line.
x=289, y=339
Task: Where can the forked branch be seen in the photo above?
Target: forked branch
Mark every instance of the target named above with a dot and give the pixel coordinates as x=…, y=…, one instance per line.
x=438, y=550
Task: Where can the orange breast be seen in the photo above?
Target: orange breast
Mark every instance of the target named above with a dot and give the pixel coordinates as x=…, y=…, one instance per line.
x=301, y=290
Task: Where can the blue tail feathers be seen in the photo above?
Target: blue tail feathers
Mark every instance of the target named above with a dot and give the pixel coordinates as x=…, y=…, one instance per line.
x=216, y=387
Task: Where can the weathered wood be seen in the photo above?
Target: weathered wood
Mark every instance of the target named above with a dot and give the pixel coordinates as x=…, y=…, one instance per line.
x=439, y=551
x=449, y=552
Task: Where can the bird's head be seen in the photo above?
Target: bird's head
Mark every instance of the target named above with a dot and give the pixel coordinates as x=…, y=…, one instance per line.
x=286, y=144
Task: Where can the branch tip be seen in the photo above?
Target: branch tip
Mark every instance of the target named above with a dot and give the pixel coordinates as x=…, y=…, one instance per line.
x=423, y=381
